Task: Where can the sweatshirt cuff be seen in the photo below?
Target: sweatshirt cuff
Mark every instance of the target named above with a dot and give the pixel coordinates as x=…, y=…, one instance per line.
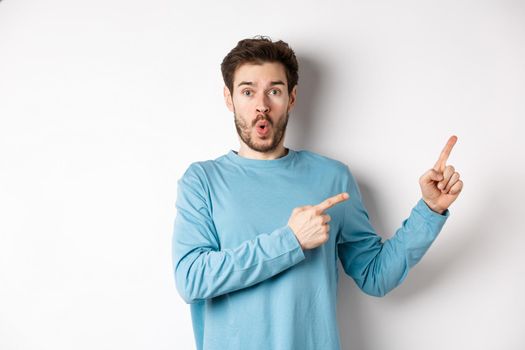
x=289, y=240
x=431, y=216
x=425, y=225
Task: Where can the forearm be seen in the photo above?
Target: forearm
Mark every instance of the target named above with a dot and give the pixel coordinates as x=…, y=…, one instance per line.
x=397, y=255
x=204, y=273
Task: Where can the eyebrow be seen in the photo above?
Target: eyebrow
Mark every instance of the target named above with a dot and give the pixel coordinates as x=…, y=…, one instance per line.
x=273, y=83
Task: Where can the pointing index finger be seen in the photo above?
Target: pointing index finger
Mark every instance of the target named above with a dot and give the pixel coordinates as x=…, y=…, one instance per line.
x=330, y=202
x=442, y=161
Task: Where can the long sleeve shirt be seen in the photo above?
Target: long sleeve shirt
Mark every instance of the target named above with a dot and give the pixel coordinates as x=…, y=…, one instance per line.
x=239, y=265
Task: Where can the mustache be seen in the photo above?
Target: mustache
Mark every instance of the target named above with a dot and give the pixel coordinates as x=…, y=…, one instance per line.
x=262, y=117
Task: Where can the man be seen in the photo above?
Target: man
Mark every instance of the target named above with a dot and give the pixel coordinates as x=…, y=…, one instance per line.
x=258, y=231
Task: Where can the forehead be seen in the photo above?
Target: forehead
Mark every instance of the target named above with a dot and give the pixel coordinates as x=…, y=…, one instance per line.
x=260, y=73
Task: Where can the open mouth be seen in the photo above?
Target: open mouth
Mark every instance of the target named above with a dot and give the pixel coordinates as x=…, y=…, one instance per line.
x=262, y=124
x=262, y=127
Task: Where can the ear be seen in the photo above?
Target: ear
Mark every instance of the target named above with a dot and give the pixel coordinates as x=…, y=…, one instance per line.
x=293, y=95
x=228, y=98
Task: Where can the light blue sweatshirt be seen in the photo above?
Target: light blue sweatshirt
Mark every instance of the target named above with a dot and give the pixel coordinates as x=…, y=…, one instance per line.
x=240, y=266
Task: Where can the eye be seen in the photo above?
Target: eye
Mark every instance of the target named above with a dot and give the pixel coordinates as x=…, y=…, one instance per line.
x=247, y=93
x=274, y=92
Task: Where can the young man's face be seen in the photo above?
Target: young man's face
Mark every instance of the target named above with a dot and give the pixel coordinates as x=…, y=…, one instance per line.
x=260, y=103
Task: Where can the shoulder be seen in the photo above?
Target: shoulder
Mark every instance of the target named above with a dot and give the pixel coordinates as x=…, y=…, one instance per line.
x=330, y=168
x=323, y=162
x=200, y=171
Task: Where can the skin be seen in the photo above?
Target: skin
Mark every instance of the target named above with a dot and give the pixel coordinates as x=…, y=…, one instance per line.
x=310, y=223
x=441, y=186
x=260, y=92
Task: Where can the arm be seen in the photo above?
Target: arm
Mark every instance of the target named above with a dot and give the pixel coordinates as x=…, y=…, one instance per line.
x=203, y=270
x=378, y=267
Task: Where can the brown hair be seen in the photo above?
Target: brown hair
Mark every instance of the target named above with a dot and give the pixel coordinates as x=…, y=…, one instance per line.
x=258, y=50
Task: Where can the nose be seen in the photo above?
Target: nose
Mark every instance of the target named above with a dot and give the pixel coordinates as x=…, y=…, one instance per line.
x=262, y=105
x=263, y=108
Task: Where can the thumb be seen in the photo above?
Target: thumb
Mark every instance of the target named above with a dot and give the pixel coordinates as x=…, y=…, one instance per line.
x=430, y=176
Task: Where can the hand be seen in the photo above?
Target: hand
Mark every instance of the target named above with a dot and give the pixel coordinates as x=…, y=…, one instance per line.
x=440, y=186
x=310, y=224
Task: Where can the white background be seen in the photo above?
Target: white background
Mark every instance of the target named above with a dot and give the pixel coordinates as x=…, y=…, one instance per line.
x=104, y=104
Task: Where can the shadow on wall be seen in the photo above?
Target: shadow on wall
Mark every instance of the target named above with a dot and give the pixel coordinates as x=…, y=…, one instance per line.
x=312, y=79
x=355, y=327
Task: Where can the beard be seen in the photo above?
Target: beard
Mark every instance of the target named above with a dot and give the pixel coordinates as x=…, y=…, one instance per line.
x=245, y=132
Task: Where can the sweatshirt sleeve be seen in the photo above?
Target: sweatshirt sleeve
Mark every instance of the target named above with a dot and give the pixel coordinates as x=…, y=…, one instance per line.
x=202, y=269
x=378, y=267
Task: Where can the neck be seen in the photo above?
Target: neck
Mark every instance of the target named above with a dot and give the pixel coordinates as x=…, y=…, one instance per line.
x=247, y=152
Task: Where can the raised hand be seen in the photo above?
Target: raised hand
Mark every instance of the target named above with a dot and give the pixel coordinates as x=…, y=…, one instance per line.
x=440, y=186
x=310, y=224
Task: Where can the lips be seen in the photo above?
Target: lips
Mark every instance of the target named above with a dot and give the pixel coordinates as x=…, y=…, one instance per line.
x=262, y=124
x=262, y=127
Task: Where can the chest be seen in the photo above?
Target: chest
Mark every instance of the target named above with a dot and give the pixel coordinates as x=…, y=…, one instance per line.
x=246, y=206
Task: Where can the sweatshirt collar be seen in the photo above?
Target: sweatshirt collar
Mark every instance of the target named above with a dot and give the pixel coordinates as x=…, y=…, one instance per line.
x=261, y=163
